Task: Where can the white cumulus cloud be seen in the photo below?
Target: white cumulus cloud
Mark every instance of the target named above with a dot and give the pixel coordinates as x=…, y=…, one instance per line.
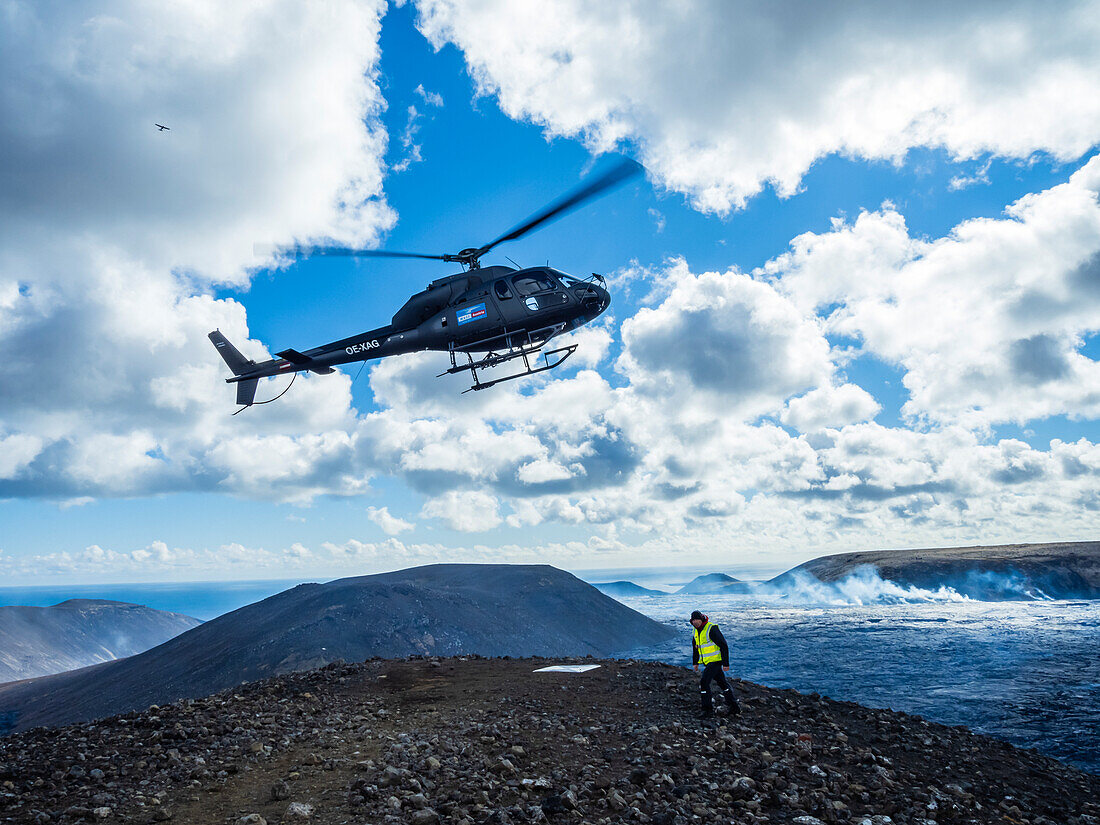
x=113, y=234
x=723, y=98
x=727, y=337
x=391, y=525
x=830, y=407
x=469, y=511
x=988, y=322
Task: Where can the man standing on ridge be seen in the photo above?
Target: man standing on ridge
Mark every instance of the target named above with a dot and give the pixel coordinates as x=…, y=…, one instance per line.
x=708, y=646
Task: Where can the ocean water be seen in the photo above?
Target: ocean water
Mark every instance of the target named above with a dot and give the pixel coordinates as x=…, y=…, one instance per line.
x=1027, y=672
x=202, y=600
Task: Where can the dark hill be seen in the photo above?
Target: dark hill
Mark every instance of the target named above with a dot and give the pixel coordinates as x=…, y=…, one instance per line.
x=441, y=609
x=1068, y=570
x=625, y=588
x=713, y=583
x=36, y=641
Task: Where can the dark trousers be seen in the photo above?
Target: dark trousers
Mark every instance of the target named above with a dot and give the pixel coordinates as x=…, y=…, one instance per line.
x=713, y=672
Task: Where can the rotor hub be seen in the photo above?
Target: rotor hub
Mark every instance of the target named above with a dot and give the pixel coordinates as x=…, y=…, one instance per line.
x=469, y=256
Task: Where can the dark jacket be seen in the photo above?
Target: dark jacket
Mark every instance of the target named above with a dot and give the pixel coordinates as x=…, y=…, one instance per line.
x=716, y=637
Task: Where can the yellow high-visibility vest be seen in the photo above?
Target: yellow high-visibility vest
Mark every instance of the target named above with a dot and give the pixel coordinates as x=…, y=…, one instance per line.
x=708, y=650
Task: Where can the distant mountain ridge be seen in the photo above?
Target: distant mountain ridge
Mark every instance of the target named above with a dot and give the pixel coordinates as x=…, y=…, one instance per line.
x=713, y=583
x=37, y=641
x=625, y=588
x=1062, y=570
x=442, y=609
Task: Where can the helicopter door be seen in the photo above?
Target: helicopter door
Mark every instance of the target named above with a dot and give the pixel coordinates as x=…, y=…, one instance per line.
x=537, y=291
x=509, y=303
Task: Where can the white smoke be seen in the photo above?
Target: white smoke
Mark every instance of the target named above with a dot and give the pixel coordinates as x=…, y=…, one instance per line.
x=863, y=586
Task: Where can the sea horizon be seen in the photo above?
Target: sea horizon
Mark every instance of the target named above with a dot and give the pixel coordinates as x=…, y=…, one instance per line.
x=208, y=599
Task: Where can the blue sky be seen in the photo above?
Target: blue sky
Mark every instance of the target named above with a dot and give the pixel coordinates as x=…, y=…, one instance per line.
x=827, y=332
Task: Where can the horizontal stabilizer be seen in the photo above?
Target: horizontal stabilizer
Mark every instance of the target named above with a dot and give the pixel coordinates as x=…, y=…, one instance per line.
x=229, y=353
x=300, y=360
x=294, y=357
x=246, y=391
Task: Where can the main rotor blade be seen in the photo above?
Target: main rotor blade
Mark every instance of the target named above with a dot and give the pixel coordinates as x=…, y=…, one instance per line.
x=270, y=250
x=618, y=173
x=626, y=168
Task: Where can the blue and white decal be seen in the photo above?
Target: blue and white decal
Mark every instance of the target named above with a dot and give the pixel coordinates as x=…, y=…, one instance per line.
x=471, y=313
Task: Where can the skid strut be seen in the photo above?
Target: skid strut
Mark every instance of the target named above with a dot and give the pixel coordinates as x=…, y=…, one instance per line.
x=553, y=358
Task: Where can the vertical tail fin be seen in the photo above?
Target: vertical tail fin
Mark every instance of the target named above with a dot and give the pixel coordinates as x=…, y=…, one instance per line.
x=230, y=354
x=246, y=391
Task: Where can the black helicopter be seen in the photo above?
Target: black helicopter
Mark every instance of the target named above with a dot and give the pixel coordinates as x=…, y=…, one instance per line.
x=500, y=311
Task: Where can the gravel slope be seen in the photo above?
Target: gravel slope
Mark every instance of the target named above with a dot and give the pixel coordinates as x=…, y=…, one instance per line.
x=471, y=740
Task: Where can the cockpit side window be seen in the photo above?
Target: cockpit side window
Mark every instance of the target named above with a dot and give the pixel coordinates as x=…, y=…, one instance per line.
x=502, y=290
x=533, y=283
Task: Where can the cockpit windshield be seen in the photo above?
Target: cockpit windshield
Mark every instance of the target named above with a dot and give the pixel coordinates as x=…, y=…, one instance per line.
x=567, y=280
x=531, y=283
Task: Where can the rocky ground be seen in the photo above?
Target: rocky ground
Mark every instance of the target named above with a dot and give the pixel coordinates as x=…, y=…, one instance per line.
x=469, y=740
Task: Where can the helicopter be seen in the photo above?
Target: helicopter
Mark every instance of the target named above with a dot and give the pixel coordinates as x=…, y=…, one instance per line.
x=500, y=313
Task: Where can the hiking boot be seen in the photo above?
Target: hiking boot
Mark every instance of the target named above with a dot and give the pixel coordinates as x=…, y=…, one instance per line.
x=732, y=703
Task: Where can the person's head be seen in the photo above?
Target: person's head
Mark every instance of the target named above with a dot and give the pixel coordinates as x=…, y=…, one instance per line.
x=698, y=620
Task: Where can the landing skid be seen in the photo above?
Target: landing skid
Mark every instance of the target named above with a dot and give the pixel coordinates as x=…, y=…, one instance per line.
x=495, y=359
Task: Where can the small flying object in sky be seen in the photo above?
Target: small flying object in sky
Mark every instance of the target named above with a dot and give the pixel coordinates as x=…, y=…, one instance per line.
x=162, y=128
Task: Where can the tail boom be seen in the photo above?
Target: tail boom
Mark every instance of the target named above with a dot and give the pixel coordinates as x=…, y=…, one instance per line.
x=247, y=373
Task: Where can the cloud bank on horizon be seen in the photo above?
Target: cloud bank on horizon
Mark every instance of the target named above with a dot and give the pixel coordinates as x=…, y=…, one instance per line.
x=756, y=433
